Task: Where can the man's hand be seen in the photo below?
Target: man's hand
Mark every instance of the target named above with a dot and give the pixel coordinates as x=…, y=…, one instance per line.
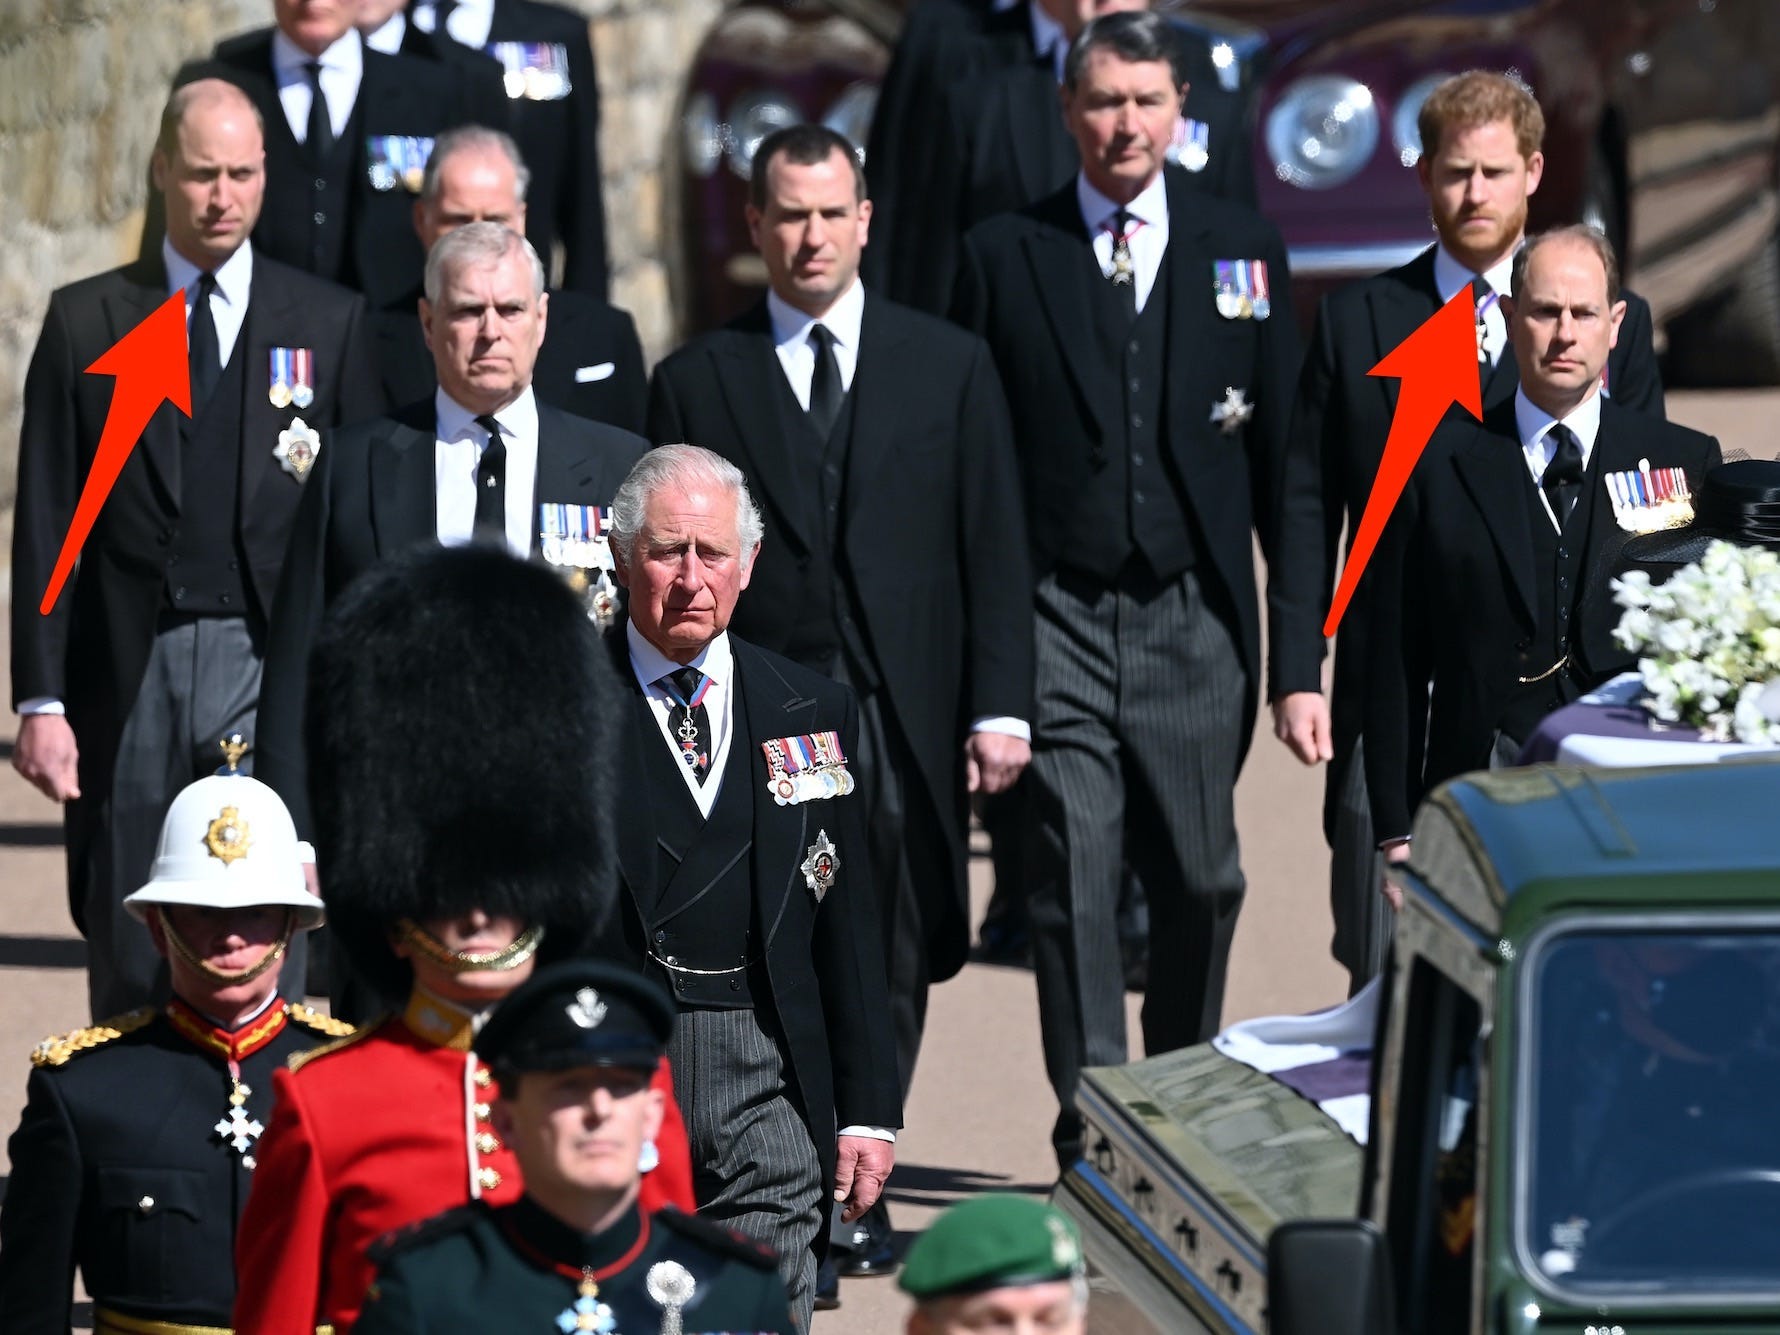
x=46, y=755
x=1301, y=721
x=1393, y=896
x=993, y=760
x=862, y=1164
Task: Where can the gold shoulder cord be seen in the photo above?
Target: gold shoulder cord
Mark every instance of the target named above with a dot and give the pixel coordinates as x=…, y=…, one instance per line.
x=57, y=1049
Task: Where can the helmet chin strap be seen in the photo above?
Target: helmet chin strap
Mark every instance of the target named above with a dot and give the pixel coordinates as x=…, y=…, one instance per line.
x=524, y=946
x=177, y=944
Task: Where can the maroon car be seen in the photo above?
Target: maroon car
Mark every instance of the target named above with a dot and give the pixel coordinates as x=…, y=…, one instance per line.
x=1663, y=129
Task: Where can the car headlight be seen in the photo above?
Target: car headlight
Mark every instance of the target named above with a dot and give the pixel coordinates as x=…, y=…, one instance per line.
x=1405, y=133
x=753, y=117
x=851, y=115
x=702, y=135
x=1322, y=131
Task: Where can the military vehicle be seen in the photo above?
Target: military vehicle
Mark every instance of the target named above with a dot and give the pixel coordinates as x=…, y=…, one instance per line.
x=1573, y=1082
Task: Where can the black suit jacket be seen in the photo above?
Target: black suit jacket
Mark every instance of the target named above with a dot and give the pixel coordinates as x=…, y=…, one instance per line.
x=1003, y=144
x=590, y=363
x=558, y=138
x=824, y=960
x=934, y=544
x=1024, y=285
x=398, y=95
x=91, y=650
x=1455, y=607
x=117, y=1173
x=372, y=496
x=1339, y=425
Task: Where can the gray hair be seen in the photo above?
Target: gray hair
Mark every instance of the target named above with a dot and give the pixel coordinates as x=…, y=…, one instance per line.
x=472, y=139
x=477, y=243
x=1137, y=36
x=1591, y=237
x=683, y=466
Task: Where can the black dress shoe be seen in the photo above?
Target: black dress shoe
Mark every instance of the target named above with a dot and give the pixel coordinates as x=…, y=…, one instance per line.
x=869, y=1247
x=828, y=1286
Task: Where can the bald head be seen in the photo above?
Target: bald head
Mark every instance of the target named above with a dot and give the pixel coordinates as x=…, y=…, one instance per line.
x=210, y=167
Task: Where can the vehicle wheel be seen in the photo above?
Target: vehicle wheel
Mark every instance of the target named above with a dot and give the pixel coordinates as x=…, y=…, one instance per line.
x=1733, y=338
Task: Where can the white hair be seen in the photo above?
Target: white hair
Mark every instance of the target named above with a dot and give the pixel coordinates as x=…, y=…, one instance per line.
x=682, y=466
x=477, y=243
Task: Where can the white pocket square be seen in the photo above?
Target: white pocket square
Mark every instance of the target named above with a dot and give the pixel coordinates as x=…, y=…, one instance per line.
x=586, y=374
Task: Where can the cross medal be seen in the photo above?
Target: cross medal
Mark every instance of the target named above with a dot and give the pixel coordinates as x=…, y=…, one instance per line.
x=588, y=1313
x=688, y=732
x=1123, y=273
x=237, y=1126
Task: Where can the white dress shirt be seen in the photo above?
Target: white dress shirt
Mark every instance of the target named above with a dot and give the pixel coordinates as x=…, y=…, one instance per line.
x=791, y=341
x=469, y=22
x=457, y=453
x=228, y=308
x=1149, y=242
x=1534, y=425
x=1450, y=276
x=388, y=38
x=717, y=662
x=342, y=67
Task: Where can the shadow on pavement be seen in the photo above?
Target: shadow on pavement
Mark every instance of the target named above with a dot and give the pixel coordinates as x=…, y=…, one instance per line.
x=919, y=1184
x=43, y=952
x=31, y=836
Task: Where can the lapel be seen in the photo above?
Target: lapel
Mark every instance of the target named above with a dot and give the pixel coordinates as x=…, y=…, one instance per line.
x=781, y=834
x=504, y=22
x=709, y=857
x=567, y=470
x=143, y=289
x=1494, y=471
x=270, y=311
x=1062, y=263
x=1192, y=319
x=1398, y=309
x=636, y=824
x=1026, y=99
x=1502, y=381
x=1617, y=450
x=404, y=479
x=883, y=380
x=748, y=377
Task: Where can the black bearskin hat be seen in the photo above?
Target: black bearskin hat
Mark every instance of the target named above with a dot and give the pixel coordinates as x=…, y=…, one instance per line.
x=461, y=722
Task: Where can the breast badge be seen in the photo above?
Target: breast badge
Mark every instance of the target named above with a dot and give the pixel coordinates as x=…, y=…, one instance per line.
x=298, y=444
x=1231, y=413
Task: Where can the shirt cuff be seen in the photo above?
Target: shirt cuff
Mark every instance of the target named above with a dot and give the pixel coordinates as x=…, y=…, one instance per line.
x=870, y=1132
x=41, y=704
x=1007, y=727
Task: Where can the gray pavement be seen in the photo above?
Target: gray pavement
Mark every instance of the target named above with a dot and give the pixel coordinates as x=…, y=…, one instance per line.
x=980, y=1114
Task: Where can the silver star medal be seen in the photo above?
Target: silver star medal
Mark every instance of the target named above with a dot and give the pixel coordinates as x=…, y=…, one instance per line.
x=821, y=865
x=1232, y=413
x=672, y=1286
x=298, y=444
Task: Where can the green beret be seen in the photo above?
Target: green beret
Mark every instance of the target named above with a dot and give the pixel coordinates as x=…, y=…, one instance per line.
x=992, y=1242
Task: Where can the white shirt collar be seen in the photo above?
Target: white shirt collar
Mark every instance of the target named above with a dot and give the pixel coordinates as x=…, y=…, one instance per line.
x=1533, y=422
x=388, y=38
x=518, y=419
x=1048, y=37
x=234, y=276
x=346, y=55
x=792, y=326
x=1150, y=206
x=650, y=665
x=1450, y=275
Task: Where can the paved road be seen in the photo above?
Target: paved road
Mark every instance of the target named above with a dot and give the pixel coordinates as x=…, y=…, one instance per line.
x=980, y=1114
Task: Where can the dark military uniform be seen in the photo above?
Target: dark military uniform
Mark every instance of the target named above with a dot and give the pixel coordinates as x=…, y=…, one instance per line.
x=119, y=1168
x=518, y=1268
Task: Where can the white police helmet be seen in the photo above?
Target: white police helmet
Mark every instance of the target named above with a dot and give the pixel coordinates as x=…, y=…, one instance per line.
x=228, y=843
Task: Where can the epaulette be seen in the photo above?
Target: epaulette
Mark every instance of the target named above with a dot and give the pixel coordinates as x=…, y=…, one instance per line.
x=298, y=1060
x=717, y=1238
x=55, y=1051
x=310, y=1018
x=399, y=1240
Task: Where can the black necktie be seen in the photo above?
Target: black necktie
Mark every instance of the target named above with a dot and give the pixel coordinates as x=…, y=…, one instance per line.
x=202, y=346
x=320, y=137
x=1562, y=479
x=825, y=382
x=442, y=16
x=689, y=720
x=1485, y=296
x=491, y=485
x=1124, y=270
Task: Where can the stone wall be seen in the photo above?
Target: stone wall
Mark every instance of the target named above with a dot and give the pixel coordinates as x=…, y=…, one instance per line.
x=81, y=84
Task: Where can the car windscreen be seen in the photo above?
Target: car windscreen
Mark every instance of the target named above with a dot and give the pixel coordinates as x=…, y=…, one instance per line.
x=1648, y=1122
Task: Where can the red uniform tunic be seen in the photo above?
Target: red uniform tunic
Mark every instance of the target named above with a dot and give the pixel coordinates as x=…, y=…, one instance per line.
x=369, y=1134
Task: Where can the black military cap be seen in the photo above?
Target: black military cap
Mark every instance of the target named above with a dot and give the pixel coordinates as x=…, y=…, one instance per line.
x=579, y=1013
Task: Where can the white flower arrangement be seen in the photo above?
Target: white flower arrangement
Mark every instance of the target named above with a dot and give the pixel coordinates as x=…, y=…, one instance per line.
x=1708, y=641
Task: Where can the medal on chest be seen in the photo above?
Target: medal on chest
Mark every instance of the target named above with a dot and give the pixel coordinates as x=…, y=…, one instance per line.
x=237, y=1129
x=587, y=1312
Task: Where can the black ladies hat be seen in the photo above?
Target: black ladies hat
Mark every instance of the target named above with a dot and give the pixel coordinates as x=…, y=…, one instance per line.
x=1738, y=502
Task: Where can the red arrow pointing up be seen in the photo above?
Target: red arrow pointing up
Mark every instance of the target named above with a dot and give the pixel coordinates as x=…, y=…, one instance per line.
x=150, y=364
x=1438, y=367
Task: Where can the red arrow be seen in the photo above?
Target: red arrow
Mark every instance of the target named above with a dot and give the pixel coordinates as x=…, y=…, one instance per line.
x=150, y=364
x=1438, y=367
